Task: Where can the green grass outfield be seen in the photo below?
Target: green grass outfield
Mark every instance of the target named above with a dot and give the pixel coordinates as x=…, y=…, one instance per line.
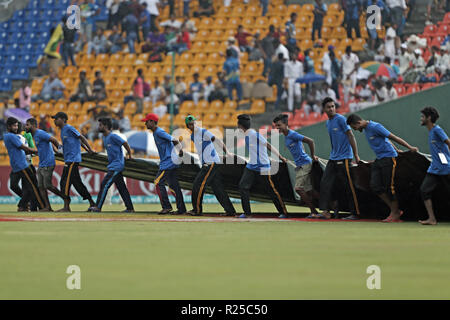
x=148, y=258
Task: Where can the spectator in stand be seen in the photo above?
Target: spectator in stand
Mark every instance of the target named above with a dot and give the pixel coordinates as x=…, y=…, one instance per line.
x=308, y=62
x=153, y=7
x=196, y=89
x=336, y=74
x=312, y=102
x=3, y=108
x=138, y=91
x=290, y=32
x=363, y=95
x=157, y=93
x=115, y=41
x=352, y=13
x=235, y=49
x=380, y=93
x=131, y=26
x=418, y=63
x=264, y=4
x=68, y=42
x=276, y=77
x=209, y=88
x=326, y=65
x=391, y=43
x=220, y=91
x=136, y=8
x=241, y=37
x=268, y=49
x=231, y=68
x=171, y=4
x=397, y=9
x=45, y=125
x=186, y=4
x=280, y=48
x=98, y=44
x=372, y=30
x=25, y=96
x=391, y=92
x=190, y=25
x=180, y=88
x=320, y=10
x=84, y=89
x=88, y=11
x=350, y=65
x=145, y=21
x=183, y=40
x=205, y=8
x=255, y=52
x=156, y=43
x=53, y=89
x=293, y=69
x=444, y=62
x=434, y=59
x=99, y=90
x=171, y=23
x=113, y=8
x=326, y=91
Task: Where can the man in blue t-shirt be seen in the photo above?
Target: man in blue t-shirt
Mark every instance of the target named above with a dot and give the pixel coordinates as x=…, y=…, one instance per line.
x=116, y=164
x=320, y=11
x=72, y=141
x=382, y=170
x=258, y=165
x=209, y=173
x=439, y=171
x=167, y=166
x=19, y=164
x=337, y=172
x=303, y=162
x=231, y=70
x=46, y=167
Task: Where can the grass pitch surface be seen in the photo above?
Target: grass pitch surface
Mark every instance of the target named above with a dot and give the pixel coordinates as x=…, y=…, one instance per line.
x=146, y=256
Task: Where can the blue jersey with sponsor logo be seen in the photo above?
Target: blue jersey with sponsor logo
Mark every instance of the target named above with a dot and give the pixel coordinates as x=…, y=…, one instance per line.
x=340, y=146
x=436, y=140
x=294, y=143
x=377, y=136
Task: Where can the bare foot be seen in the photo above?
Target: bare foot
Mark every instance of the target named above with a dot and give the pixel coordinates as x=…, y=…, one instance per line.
x=46, y=209
x=64, y=210
x=326, y=214
x=428, y=222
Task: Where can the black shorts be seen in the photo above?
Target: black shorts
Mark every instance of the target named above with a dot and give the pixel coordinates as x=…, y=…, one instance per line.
x=382, y=175
x=430, y=183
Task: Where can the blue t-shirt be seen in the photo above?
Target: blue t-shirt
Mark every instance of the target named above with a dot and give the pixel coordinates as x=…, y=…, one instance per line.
x=70, y=138
x=44, y=148
x=205, y=147
x=340, y=146
x=163, y=142
x=377, y=136
x=113, y=144
x=318, y=17
x=17, y=157
x=146, y=23
x=231, y=68
x=294, y=143
x=352, y=11
x=196, y=87
x=257, y=146
x=436, y=140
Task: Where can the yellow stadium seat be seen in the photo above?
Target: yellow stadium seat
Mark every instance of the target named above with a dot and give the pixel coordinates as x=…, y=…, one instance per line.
x=216, y=35
x=210, y=119
x=182, y=71
x=216, y=106
x=147, y=107
x=215, y=58
x=276, y=21
x=219, y=23
x=224, y=12
x=198, y=46
x=116, y=95
x=261, y=22
x=102, y=60
x=307, y=8
x=70, y=72
x=253, y=11
x=226, y=120
x=109, y=82
x=187, y=107
x=34, y=108
x=358, y=44
x=334, y=7
x=306, y=44
x=202, y=35
x=230, y=106
x=112, y=71
x=333, y=42
x=202, y=107
x=339, y=33
x=248, y=22
x=129, y=59
x=206, y=23
x=122, y=83
x=60, y=106
x=330, y=21
x=326, y=33
x=345, y=42
x=238, y=11
x=74, y=108
x=130, y=108
x=258, y=106
x=302, y=22
x=88, y=60
x=200, y=58
x=209, y=70
x=233, y=23
x=196, y=69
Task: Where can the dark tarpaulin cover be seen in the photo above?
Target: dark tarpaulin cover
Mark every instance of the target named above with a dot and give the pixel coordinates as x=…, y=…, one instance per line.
x=410, y=172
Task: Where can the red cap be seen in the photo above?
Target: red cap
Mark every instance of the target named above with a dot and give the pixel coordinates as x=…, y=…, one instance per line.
x=151, y=116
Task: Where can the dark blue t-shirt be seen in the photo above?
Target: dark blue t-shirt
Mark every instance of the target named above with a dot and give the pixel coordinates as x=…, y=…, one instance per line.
x=70, y=138
x=163, y=142
x=113, y=144
x=44, y=148
x=17, y=157
x=436, y=140
x=340, y=146
x=377, y=136
x=294, y=143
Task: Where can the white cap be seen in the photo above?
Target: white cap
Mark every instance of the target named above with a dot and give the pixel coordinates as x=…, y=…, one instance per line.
x=418, y=51
x=404, y=45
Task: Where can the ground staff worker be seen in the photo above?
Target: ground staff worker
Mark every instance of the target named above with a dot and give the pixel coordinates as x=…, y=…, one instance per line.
x=382, y=173
x=209, y=173
x=343, y=147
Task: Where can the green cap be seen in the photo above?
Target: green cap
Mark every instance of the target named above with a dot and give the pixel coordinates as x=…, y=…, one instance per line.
x=189, y=119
